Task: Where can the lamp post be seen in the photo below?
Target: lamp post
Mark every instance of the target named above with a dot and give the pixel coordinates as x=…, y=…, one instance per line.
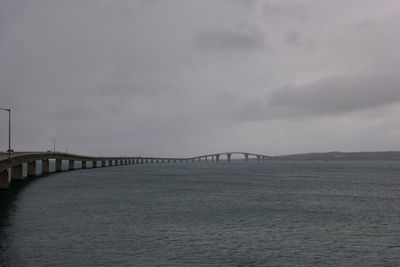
x=54, y=144
x=9, y=130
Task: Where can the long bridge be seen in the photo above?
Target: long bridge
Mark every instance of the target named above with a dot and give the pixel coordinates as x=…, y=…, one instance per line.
x=13, y=162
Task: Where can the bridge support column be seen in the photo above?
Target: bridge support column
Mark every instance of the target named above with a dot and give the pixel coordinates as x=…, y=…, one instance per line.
x=84, y=164
x=4, y=183
x=116, y=162
x=71, y=164
x=103, y=163
x=32, y=169
x=258, y=157
x=151, y=161
x=109, y=163
x=246, y=157
x=216, y=157
x=94, y=164
x=121, y=162
x=58, y=165
x=229, y=155
x=45, y=166
x=17, y=173
x=206, y=158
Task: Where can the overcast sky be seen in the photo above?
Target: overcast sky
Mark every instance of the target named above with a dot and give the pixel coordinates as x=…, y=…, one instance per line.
x=189, y=77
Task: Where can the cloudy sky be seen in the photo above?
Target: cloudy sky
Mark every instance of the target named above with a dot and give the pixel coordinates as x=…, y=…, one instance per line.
x=187, y=77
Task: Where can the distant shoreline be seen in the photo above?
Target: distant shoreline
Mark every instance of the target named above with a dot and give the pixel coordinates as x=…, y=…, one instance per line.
x=349, y=156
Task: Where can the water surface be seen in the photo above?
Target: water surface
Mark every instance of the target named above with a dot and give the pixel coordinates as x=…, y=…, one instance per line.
x=206, y=214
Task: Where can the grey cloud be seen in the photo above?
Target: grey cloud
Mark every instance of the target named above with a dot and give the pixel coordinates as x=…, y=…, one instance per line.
x=175, y=77
x=339, y=94
x=326, y=97
x=245, y=3
x=225, y=97
x=292, y=9
x=241, y=39
x=297, y=39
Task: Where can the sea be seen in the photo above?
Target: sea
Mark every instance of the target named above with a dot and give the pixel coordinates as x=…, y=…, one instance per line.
x=270, y=213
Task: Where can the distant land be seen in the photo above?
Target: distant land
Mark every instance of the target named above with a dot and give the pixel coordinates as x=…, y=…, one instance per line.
x=335, y=155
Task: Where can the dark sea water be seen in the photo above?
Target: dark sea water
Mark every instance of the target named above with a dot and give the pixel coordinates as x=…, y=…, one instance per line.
x=206, y=214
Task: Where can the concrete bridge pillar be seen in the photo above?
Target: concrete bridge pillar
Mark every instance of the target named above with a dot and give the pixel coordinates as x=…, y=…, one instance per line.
x=94, y=164
x=121, y=162
x=258, y=157
x=137, y=161
x=45, y=166
x=246, y=156
x=206, y=159
x=162, y=161
x=84, y=164
x=4, y=183
x=110, y=163
x=217, y=157
x=71, y=164
x=58, y=165
x=32, y=169
x=151, y=161
x=199, y=159
x=228, y=156
x=17, y=173
x=141, y=161
x=103, y=163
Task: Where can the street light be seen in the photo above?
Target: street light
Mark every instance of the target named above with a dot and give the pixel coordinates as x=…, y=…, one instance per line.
x=54, y=144
x=9, y=130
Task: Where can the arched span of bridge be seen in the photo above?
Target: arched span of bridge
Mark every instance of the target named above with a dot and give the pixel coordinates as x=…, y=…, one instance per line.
x=228, y=156
x=14, y=162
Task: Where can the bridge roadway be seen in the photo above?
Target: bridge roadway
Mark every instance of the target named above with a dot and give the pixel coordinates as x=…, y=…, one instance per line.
x=13, y=162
